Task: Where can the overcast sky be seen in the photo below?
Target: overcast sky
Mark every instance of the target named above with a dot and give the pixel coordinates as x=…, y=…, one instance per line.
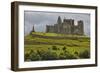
x=40, y=19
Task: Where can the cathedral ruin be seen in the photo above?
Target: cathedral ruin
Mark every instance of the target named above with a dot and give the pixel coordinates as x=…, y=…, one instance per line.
x=67, y=26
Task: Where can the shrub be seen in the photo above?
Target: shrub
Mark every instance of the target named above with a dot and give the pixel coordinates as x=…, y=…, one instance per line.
x=67, y=55
x=48, y=55
x=34, y=56
x=64, y=48
x=70, y=55
x=85, y=54
x=26, y=56
x=49, y=48
x=54, y=48
x=62, y=56
x=76, y=53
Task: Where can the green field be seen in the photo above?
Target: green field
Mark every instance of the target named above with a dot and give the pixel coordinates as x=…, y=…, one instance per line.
x=51, y=46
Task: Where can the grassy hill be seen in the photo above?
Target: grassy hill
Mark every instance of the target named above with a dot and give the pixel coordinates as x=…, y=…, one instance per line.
x=52, y=46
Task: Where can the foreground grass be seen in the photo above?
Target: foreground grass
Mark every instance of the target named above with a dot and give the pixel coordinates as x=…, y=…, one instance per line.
x=37, y=48
x=55, y=52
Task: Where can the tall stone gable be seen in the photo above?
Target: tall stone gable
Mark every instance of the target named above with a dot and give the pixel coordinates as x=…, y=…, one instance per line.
x=32, y=30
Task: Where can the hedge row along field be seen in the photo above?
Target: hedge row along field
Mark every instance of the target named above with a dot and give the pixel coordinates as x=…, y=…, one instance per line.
x=44, y=46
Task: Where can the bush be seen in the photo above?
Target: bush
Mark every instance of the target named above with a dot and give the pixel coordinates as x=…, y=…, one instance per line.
x=76, y=53
x=49, y=48
x=54, y=48
x=26, y=57
x=62, y=56
x=48, y=55
x=34, y=56
x=70, y=56
x=67, y=55
x=84, y=54
x=64, y=48
x=54, y=54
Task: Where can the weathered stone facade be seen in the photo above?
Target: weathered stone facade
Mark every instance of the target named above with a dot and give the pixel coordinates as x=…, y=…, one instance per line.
x=67, y=26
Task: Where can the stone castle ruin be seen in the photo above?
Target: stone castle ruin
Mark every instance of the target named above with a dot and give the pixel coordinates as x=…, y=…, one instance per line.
x=67, y=26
